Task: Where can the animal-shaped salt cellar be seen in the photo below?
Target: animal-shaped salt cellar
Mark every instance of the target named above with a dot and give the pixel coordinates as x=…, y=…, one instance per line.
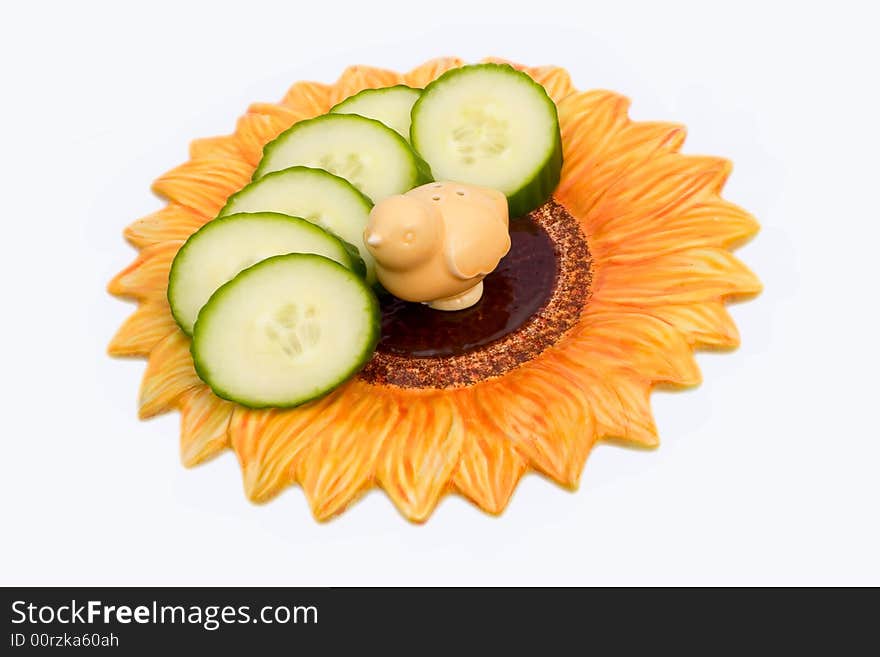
x=437, y=242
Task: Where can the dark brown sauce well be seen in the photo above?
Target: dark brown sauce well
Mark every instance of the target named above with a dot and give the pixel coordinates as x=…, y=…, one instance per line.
x=513, y=293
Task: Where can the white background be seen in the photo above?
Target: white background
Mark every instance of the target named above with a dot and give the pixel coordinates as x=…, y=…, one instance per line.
x=767, y=474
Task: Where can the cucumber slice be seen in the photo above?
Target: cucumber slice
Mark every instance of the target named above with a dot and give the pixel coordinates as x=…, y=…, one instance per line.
x=223, y=247
x=390, y=105
x=368, y=154
x=289, y=329
x=315, y=195
x=491, y=125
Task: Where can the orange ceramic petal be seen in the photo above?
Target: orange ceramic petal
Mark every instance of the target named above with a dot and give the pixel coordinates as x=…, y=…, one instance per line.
x=422, y=75
x=617, y=397
x=689, y=276
x=262, y=123
x=339, y=463
x=561, y=452
x=172, y=223
x=212, y=148
x=671, y=184
x=706, y=323
x=250, y=439
x=204, y=184
x=545, y=422
x=284, y=115
x=631, y=338
x=489, y=468
x=169, y=374
x=601, y=144
x=713, y=223
x=622, y=407
x=554, y=79
x=591, y=124
x=420, y=453
x=143, y=330
x=269, y=442
x=358, y=78
x=255, y=130
x=147, y=277
x=658, y=232
x=308, y=99
x=204, y=425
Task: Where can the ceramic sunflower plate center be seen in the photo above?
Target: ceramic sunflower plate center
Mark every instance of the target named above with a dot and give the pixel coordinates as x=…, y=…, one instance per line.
x=534, y=296
x=606, y=289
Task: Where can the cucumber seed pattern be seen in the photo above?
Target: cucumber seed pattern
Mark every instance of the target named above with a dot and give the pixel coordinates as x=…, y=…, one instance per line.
x=286, y=330
x=480, y=135
x=350, y=167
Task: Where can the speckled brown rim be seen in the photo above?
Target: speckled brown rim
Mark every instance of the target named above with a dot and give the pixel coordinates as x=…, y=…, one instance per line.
x=571, y=292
